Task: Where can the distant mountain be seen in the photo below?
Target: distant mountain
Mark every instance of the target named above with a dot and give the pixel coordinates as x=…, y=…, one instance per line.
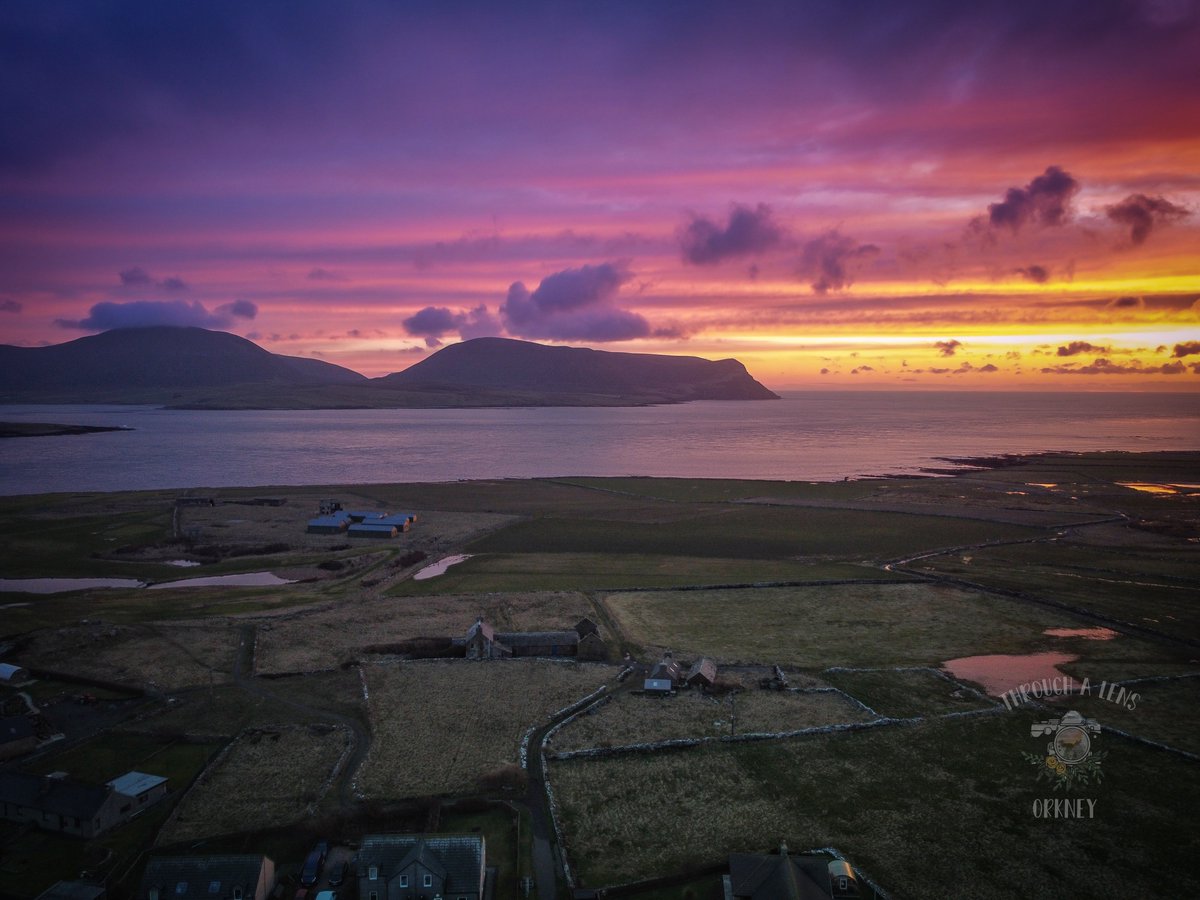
x=139, y=362
x=500, y=364
x=199, y=369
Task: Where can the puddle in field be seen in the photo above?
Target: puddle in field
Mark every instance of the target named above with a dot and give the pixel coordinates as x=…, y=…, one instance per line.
x=62, y=585
x=1002, y=672
x=244, y=579
x=1090, y=634
x=182, y=563
x=440, y=567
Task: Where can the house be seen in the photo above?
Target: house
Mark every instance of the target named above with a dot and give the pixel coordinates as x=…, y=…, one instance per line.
x=667, y=669
x=481, y=642
x=484, y=642
x=703, y=673
x=409, y=866
x=141, y=789
x=10, y=674
x=217, y=877
x=17, y=736
x=782, y=876
x=61, y=804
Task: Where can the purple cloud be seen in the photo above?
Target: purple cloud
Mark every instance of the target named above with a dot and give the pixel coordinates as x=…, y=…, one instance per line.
x=748, y=232
x=1076, y=347
x=1188, y=348
x=146, y=313
x=435, y=322
x=574, y=304
x=832, y=259
x=11, y=306
x=1035, y=273
x=1046, y=201
x=137, y=277
x=1142, y=214
x=947, y=348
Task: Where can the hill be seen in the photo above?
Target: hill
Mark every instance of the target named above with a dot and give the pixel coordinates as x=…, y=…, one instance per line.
x=500, y=364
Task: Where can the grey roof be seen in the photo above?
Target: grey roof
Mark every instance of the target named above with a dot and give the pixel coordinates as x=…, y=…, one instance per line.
x=780, y=877
x=133, y=783
x=425, y=855
x=586, y=626
x=62, y=796
x=481, y=627
x=72, y=890
x=197, y=876
x=656, y=684
x=15, y=728
x=463, y=856
x=9, y=672
x=667, y=668
x=336, y=521
x=526, y=638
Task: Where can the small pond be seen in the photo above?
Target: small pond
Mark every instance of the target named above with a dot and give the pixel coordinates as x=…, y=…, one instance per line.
x=440, y=567
x=62, y=585
x=242, y=579
x=1002, y=672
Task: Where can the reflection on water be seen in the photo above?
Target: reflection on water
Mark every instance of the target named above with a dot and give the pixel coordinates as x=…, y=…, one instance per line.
x=1090, y=634
x=245, y=579
x=439, y=567
x=183, y=563
x=62, y=585
x=1002, y=672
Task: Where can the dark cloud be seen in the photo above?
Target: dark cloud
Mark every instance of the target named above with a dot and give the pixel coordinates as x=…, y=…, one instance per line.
x=825, y=371
x=748, y=232
x=1126, y=303
x=1104, y=366
x=988, y=368
x=947, y=348
x=832, y=259
x=436, y=322
x=574, y=304
x=1187, y=348
x=144, y=313
x=10, y=306
x=1142, y=214
x=1076, y=347
x=1045, y=201
x=319, y=274
x=1036, y=274
x=137, y=277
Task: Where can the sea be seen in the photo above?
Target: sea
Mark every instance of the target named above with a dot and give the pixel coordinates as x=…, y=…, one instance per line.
x=807, y=435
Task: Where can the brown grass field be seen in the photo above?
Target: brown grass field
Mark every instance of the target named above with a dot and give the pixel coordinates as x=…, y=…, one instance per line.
x=633, y=719
x=325, y=638
x=440, y=725
x=269, y=777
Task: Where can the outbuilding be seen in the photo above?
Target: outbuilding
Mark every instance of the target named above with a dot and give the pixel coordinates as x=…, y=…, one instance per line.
x=10, y=674
x=372, y=530
x=703, y=673
x=143, y=790
x=658, y=687
x=331, y=524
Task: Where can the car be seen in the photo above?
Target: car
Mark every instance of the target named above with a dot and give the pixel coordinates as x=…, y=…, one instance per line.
x=313, y=863
x=339, y=874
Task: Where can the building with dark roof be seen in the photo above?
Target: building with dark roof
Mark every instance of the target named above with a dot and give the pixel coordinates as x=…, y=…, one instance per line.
x=220, y=877
x=703, y=673
x=142, y=789
x=484, y=642
x=411, y=866
x=73, y=890
x=60, y=804
x=372, y=530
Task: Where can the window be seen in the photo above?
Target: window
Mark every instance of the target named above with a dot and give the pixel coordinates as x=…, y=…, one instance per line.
x=374, y=895
x=237, y=893
x=373, y=873
x=428, y=881
x=181, y=888
x=403, y=881
x=214, y=887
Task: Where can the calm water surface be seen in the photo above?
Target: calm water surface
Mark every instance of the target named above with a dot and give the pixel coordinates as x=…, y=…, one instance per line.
x=806, y=436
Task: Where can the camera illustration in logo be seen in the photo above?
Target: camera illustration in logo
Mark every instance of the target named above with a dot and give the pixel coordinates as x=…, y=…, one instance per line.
x=1070, y=759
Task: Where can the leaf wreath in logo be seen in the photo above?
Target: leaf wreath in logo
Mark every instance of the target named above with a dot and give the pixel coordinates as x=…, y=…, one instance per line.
x=1070, y=761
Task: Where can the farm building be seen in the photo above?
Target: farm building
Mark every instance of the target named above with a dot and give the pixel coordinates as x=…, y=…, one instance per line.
x=408, y=866
x=73, y=890
x=402, y=521
x=703, y=673
x=666, y=668
x=784, y=877
x=60, y=804
x=16, y=736
x=217, y=877
x=657, y=686
x=335, y=523
x=372, y=530
x=10, y=674
x=142, y=789
x=483, y=642
x=361, y=515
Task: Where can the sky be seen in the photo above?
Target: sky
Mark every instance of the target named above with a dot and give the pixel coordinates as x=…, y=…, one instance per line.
x=992, y=195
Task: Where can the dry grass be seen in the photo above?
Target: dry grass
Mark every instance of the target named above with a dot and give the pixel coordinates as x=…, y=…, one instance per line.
x=325, y=638
x=166, y=657
x=268, y=779
x=633, y=719
x=846, y=625
x=439, y=726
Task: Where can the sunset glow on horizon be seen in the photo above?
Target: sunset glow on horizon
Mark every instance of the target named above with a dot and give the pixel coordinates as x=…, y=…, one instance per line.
x=935, y=195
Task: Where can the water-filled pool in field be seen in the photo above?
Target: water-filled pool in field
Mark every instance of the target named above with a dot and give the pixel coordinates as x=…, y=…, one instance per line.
x=243, y=579
x=1002, y=672
x=440, y=567
x=63, y=585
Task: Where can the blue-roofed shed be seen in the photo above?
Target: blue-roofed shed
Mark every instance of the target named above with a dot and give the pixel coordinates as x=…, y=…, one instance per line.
x=334, y=524
x=143, y=788
x=400, y=520
x=359, y=515
x=372, y=530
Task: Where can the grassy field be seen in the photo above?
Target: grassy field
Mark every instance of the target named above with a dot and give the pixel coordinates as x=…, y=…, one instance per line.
x=164, y=657
x=838, y=625
x=632, y=719
x=326, y=638
x=902, y=694
x=598, y=571
x=1164, y=712
x=440, y=726
x=268, y=778
x=906, y=805
x=749, y=532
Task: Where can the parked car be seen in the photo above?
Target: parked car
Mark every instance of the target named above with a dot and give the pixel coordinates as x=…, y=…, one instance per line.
x=313, y=864
x=339, y=874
